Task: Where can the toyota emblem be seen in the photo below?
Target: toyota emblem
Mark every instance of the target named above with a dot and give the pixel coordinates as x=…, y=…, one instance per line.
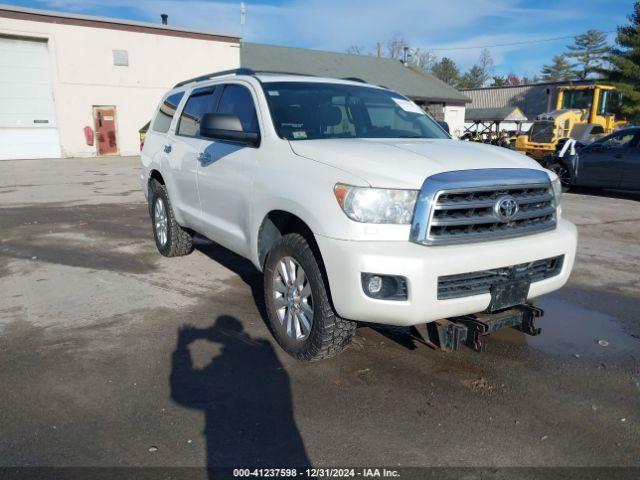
x=505, y=208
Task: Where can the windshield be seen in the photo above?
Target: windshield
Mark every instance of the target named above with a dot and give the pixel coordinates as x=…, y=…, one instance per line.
x=581, y=99
x=310, y=111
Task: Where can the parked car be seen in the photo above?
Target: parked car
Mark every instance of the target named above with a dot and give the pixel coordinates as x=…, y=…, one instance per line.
x=610, y=162
x=356, y=206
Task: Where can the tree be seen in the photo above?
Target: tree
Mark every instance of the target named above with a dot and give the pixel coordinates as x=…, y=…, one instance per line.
x=474, y=78
x=559, y=69
x=425, y=60
x=625, y=63
x=485, y=62
x=447, y=71
x=396, y=46
x=356, y=50
x=499, y=81
x=513, y=80
x=589, y=50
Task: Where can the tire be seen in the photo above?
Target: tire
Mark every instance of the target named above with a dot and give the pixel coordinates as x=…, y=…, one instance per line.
x=563, y=174
x=171, y=239
x=325, y=334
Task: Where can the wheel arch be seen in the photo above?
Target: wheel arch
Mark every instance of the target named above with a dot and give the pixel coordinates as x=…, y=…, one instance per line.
x=275, y=225
x=153, y=175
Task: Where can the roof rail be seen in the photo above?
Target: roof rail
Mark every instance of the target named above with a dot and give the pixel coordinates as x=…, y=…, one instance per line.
x=283, y=72
x=201, y=78
x=355, y=79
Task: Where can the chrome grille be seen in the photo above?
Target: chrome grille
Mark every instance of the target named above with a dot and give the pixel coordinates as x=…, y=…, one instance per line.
x=477, y=283
x=463, y=207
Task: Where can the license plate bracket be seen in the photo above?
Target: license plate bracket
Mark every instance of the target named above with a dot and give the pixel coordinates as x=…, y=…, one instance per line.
x=508, y=294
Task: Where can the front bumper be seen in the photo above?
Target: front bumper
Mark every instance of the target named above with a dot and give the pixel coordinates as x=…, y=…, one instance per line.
x=422, y=265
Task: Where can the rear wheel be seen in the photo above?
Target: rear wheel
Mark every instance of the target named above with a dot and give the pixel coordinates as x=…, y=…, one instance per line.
x=300, y=314
x=171, y=239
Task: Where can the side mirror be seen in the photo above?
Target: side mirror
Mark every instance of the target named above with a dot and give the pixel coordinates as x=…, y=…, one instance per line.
x=445, y=126
x=227, y=126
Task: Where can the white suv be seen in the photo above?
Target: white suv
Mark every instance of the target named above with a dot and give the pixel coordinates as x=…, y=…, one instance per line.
x=356, y=206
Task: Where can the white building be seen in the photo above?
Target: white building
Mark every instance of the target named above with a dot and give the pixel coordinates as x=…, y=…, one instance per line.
x=62, y=73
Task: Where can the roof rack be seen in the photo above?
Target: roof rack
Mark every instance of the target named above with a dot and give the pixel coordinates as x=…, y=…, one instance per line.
x=251, y=72
x=282, y=72
x=355, y=79
x=201, y=78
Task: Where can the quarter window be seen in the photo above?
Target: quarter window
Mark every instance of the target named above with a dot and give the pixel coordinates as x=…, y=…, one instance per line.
x=199, y=103
x=237, y=99
x=165, y=114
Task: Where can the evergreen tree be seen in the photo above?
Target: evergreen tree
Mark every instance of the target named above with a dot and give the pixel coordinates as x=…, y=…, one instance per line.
x=559, y=69
x=589, y=51
x=474, y=78
x=447, y=71
x=499, y=81
x=625, y=63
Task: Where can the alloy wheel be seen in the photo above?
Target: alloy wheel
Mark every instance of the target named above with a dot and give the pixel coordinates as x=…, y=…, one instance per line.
x=293, y=299
x=161, y=223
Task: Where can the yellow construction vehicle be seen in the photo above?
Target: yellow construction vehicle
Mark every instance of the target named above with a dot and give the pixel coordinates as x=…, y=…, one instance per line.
x=583, y=112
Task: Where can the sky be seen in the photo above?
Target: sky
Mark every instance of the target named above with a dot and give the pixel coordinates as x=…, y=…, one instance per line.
x=454, y=28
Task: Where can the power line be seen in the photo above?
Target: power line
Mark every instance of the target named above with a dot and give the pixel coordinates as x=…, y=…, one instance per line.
x=524, y=42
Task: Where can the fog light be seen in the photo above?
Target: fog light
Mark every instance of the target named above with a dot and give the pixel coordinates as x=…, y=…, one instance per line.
x=384, y=287
x=375, y=284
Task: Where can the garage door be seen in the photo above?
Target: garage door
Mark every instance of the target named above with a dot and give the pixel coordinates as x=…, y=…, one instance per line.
x=27, y=113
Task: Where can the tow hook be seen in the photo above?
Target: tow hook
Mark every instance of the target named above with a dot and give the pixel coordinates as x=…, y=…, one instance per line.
x=447, y=334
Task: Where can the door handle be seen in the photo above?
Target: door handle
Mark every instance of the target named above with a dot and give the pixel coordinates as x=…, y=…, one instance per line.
x=204, y=157
x=167, y=149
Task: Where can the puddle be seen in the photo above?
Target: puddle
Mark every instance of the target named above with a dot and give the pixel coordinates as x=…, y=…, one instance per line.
x=569, y=329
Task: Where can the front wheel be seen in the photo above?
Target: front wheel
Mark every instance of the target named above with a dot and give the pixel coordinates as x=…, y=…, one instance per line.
x=300, y=313
x=563, y=173
x=171, y=239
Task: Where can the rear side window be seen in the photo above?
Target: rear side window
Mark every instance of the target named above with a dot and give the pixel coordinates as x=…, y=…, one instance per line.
x=166, y=112
x=200, y=102
x=237, y=99
x=620, y=140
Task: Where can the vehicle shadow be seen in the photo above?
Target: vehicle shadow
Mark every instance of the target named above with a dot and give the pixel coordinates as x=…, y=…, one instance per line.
x=245, y=395
x=238, y=265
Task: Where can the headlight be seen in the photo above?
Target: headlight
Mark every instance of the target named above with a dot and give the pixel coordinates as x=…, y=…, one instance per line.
x=376, y=205
x=556, y=185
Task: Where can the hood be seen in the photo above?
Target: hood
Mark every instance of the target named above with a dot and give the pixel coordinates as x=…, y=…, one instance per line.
x=398, y=163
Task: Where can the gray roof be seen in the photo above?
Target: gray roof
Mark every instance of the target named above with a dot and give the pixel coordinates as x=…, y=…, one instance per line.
x=410, y=81
x=504, y=114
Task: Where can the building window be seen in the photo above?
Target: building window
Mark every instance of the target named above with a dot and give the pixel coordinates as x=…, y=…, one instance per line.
x=121, y=58
x=436, y=110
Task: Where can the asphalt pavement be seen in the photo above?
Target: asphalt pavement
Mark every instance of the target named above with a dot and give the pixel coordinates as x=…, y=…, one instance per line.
x=112, y=355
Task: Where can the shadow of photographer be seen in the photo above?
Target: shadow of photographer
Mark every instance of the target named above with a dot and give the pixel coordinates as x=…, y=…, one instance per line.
x=245, y=395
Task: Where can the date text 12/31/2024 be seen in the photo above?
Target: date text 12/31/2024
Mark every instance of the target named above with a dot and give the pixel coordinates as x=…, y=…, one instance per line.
x=316, y=473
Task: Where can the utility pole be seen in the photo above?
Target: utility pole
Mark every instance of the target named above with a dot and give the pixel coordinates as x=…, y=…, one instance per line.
x=243, y=15
x=378, y=49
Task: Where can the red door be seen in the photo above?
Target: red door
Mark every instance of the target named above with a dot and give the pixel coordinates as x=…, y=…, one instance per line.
x=104, y=119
